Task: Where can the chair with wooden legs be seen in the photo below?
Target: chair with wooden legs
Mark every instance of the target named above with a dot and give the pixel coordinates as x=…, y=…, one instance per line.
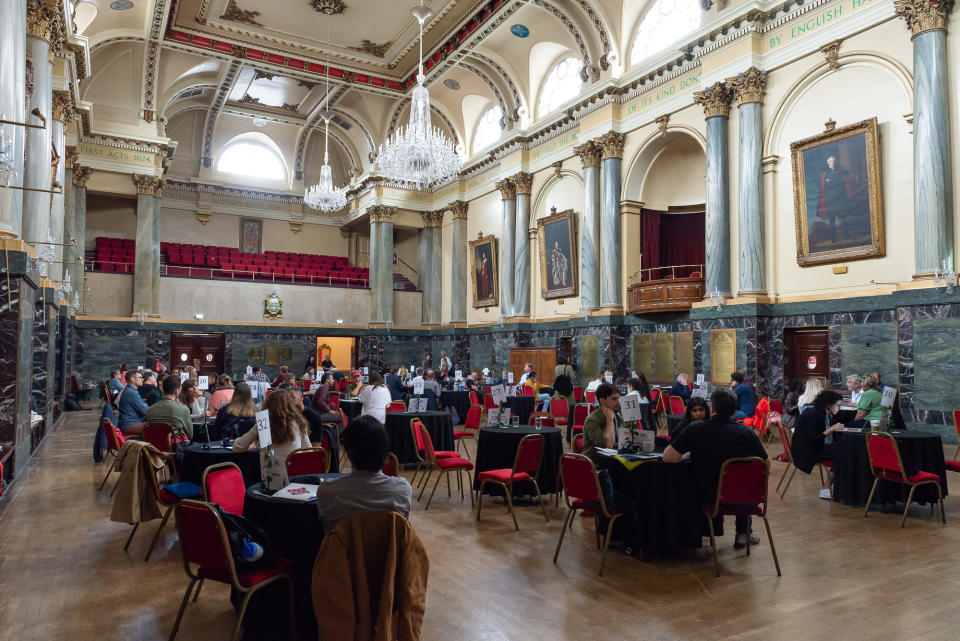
x=886, y=463
x=526, y=468
x=443, y=466
x=578, y=475
x=204, y=543
x=954, y=464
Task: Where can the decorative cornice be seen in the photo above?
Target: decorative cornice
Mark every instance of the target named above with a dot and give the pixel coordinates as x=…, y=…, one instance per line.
x=382, y=213
x=372, y=48
x=432, y=219
x=458, y=209
x=63, y=107
x=748, y=86
x=365, y=184
x=715, y=100
x=612, y=144
x=924, y=15
x=589, y=153
x=81, y=175
x=146, y=185
x=523, y=182
x=508, y=189
x=662, y=123
x=831, y=51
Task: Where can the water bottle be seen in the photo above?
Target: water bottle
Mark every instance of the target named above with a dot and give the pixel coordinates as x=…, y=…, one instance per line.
x=251, y=551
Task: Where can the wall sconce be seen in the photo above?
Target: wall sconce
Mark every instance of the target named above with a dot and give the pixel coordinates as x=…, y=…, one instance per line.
x=717, y=299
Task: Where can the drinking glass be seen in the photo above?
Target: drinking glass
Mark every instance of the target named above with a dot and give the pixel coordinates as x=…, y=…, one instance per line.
x=515, y=420
x=538, y=423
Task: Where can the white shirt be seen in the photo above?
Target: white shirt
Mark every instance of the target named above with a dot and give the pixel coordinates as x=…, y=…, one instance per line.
x=523, y=378
x=855, y=397
x=593, y=385
x=375, y=401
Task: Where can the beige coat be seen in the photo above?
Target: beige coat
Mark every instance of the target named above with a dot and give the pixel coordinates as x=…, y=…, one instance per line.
x=136, y=499
x=370, y=580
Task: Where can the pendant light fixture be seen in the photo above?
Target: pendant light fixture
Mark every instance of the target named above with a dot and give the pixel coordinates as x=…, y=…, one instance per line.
x=419, y=156
x=324, y=196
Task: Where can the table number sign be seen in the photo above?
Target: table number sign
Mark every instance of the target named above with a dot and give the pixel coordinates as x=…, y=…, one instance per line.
x=699, y=380
x=631, y=407
x=499, y=394
x=493, y=417
x=418, y=386
x=184, y=377
x=458, y=375
x=888, y=395
x=203, y=382
x=608, y=379
x=510, y=377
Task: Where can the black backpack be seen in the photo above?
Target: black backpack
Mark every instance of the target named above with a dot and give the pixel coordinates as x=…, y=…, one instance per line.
x=563, y=385
x=240, y=528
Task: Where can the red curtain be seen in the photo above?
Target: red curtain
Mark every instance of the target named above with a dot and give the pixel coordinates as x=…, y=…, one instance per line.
x=650, y=242
x=672, y=239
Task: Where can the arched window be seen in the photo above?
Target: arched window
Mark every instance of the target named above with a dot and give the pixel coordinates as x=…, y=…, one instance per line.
x=562, y=84
x=251, y=158
x=488, y=129
x=665, y=22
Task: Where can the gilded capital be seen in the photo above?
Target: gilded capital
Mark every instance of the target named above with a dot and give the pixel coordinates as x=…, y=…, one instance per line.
x=381, y=213
x=589, y=153
x=523, y=182
x=924, y=15
x=459, y=209
x=508, y=189
x=715, y=100
x=158, y=185
x=144, y=183
x=41, y=20
x=81, y=175
x=612, y=144
x=63, y=108
x=71, y=156
x=749, y=86
x=432, y=219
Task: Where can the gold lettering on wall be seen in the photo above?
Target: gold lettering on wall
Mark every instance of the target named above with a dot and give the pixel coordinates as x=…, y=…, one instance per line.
x=685, y=354
x=663, y=356
x=643, y=354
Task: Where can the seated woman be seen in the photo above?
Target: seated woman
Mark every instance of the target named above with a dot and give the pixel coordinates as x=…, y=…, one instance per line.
x=791, y=404
x=192, y=397
x=321, y=400
x=869, y=407
x=813, y=436
x=681, y=387
x=543, y=399
x=288, y=429
x=697, y=410
x=375, y=398
x=811, y=387
x=366, y=488
x=222, y=395
x=641, y=387
x=236, y=417
x=310, y=374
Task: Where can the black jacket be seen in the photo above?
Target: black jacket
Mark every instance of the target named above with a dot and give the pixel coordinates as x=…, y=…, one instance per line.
x=808, y=438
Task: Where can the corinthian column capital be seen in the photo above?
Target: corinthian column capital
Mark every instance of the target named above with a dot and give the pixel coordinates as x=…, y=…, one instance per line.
x=459, y=209
x=508, y=189
x=715, y=100
x=382, y=213
x=612, y=144
x=924, y=15
x=589, y=153
x=749, y=85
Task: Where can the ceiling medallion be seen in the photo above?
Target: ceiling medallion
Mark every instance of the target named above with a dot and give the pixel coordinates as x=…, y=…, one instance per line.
x=372, y=48
x=450, y=83
x=519, y=31
x=328, y=7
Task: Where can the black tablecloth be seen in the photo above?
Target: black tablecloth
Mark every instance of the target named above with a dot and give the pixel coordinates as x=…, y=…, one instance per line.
x=522, y=406
x=351, y=408
x=919, y=451
x=672, y=421
x=196, y=460
x=497, y=448
x=845, y=416
x=459, y=400
x=669, y=516
x=401, y=439
x=295, y=533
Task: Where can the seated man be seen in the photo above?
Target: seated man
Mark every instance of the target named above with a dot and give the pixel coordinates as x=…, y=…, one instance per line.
x=257, y=375
x=132, y=408
x=708, y=444
x=150, y=390
x=169, y=410
x=855, y=388
x=681, y=387
x=746, y=400
x=366, y=488
x=115, y=384
x=281, y=377
x=600, y=427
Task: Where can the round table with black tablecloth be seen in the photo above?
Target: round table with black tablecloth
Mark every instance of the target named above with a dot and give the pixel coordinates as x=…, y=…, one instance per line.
x=497, y=449
x=845, y=416
x=351, y=407
x=854, y=478
x=458, y=400
x=401, y=438
x=666, y=498
x=522, y=406
x=295, y=533
x=196, y=459
x=672, y=421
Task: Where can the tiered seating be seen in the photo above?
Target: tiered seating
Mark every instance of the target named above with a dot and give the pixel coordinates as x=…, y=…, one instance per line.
x=114, y=254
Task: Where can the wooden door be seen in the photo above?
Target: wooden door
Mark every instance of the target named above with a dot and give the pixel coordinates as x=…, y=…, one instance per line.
x=543, y=360
x=807, y=353
x=203, y=351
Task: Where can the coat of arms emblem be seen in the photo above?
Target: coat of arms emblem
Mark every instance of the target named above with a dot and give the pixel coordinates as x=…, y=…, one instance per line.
x=273, y=306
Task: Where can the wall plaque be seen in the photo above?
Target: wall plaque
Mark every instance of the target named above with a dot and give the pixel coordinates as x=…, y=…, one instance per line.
x=685, y=354
x=272, y=354
x=643, y=354
x=256, y=353
x=663, y=354
x=723, y=355
x=286, y=354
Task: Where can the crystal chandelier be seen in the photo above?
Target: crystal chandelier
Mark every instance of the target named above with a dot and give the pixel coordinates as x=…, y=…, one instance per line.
x=324, y=196
x=65, y=288
x=7, y=172
x=46, y=257
x=419, y=156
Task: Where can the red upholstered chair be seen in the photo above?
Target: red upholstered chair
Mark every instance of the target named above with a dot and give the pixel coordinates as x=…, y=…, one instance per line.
x=474, y=400
x=471, y=427
x=160, y=435
x=391, y=466
x=580, y=413
x=308, y=460
x=577, y=445
x=335, y=401
x=526, y=467
x=488, y=402
x=886, y=464
x=115, y=441
x=591, y=397
x=548, y=420
x=423, y=463
x=578, y=476
x=443, y=466
x=560, y=411
x=741, y=491
x=578, y=394
x=203, y=542
x=954, y=465
x=676, y=405
x=165, y=499
x=223, y=484
x=528, y=391
x=787, y=457
x=654, y=395
x=397, y=406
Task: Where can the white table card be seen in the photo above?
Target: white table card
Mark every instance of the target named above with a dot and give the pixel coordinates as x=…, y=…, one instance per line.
x=493, y=417
x=631, y=407
x=203, y=382
x=499, y=394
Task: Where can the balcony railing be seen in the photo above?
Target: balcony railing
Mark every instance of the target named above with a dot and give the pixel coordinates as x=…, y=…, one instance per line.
x=672, y=288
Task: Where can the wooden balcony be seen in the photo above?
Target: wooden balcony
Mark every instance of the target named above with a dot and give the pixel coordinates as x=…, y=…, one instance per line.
x=666, y=293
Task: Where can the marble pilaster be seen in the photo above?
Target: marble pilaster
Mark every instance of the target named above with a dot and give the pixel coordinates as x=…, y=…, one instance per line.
x=381, y=281
x=374, y=273
x=589, y=154
x=458, y=263
x=143, y=258
x=611, y=272
x=79, y=217
x=521, y=252
x=716, y=103
x=932, y=186
x=158, y=186
x=42, y=25
x=749, y=88
x=62, y=108
x=13, y=44
x=436, y=267
x=508, y=195
x=428, y=274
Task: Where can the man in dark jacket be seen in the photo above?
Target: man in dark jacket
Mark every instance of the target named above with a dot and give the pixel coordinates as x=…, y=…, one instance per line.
x=394, y=384
x=132, y=408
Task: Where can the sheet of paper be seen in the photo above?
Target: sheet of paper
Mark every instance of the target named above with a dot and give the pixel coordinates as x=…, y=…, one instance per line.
x=630, y=407
x=418, y=385
x=263, y=428
x=510, y=377
x=203, y=382
x=298, y=492
x=889, y=394
x=458, y=375
x=499, y=394
x=493, y=417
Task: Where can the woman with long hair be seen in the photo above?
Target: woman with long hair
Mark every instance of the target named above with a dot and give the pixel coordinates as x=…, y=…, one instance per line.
x=375, y=398
x=288, y=429
x=813, y=437
x=236, y=417
x=697, y=410
x=190, y=396
x=222, y=395
x=791, y=404
x=811, y=387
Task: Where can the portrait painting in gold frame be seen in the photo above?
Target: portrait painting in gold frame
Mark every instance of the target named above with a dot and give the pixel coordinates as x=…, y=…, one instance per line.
x=483, y=272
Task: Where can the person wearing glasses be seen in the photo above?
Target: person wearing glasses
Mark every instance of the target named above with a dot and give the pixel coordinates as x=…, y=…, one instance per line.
x=132, y=408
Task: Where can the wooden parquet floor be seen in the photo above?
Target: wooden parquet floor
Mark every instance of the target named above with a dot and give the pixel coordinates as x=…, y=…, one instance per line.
x=63, y=574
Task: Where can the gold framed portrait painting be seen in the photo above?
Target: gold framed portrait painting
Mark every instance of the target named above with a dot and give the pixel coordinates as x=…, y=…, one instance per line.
x=483, y=268
x=837, y=197
x=558, y=254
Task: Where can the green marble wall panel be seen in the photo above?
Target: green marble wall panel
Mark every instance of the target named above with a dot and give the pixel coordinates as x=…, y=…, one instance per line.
x=869, y=348
x=403, y=352
x=481, y=354
x=936, y=361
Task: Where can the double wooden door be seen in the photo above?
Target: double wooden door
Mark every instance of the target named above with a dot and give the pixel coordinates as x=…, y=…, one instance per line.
x=543, y=360
x=807, y=352
x=205, y=352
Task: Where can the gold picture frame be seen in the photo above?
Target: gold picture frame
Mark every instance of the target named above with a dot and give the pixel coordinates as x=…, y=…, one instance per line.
x=837, y=199
x=557, y=237
x=484, y=273
x=251, y=235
